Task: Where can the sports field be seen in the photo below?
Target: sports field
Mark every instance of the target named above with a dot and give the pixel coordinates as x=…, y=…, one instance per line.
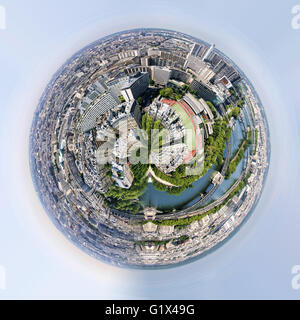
x=185, y=116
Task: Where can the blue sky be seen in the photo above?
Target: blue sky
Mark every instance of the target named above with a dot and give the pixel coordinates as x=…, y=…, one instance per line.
x=257, y=262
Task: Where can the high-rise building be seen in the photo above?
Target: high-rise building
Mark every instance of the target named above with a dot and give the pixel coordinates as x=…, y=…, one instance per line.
x=194, y=63
x=180, y=75
x=135, y=86
x=202, y=51
x=198, y=50
x=203, y=69
x=160, y=75
x=209, y=51
x=206, y=73
x=202, y=90
x=97, y=108
x=134, y=110
x=229, y=72
x=115, y=85
x=197, y=53
x=214, y=59
x=219, y=66
x=195, y=49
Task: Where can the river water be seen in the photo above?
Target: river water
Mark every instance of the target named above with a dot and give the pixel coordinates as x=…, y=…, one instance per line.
x=163, y=201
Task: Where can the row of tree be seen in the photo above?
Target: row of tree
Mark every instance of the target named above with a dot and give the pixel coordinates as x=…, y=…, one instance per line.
x=127, y=199
x=215, y=145
x=178, y=177
x=239, y=155
x=174, y=93
x=170, y=190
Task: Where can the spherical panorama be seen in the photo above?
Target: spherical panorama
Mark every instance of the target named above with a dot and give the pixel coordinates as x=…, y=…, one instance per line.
x=148, y=148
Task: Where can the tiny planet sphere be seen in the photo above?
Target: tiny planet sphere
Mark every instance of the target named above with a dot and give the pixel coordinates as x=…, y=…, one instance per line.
x=149, y=148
